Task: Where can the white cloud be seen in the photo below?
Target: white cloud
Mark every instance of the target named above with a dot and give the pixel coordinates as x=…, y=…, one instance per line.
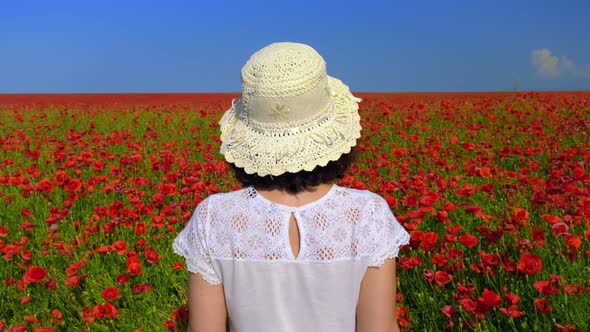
x=549, y=65
x=568, y=65
x=545, y=62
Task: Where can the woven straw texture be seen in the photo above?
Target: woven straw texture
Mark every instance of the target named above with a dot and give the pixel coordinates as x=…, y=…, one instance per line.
x=291, y=116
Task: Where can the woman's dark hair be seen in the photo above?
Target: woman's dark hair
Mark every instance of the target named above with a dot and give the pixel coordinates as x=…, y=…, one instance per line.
x=295, y=183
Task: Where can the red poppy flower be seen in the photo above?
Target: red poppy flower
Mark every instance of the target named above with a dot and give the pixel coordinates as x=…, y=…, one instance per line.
x=74, y=281
x=428, y=241
x=98, y=166
x=520, y=216
x=73, y=185
x=103, y=249
x=512, y=298
x=407, y=263
x=170, y=324
x=449, y=311
x=140, y=228
x=133, y=266
x=566, y=328
x=180, y=314
x=57, y=315
x=542, y=305
x=75, y=267
x=178, y=266
x=530, y=264
x=398, y=152
x=27, y=226
x=168, y=189
x=491, y=298
x=573, y=241
x=50, y=284
x=122, y=279
x=27, y=255
x=34, y=274
x=26, y=213
x=140, y=288
x=45, y=186
x=468, y=240
x=442, y=277
x=449, y=206
x=60, y=177
x=151, y=255
x=110, y=311
x=429, y=198
x=443, y=217
x=110, y=294
x=44, y=329
x=391, y=201
x=573, y=290
x=120, y=247
x=428, y=275
x=489, y=259
x=512, y=311
x=545, y=287
x=559, y=229
x=98, y=311
x=539, y=237
x=4, y=231
x=403, y=317
x=551, y=219
x=88, y=314
x=466, y=190
x=468, y=305
x=439, y=260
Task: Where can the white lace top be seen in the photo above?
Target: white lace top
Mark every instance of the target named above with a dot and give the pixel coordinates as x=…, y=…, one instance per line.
x=241, y=239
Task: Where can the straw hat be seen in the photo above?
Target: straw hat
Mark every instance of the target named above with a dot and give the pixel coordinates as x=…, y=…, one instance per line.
x=291, y=116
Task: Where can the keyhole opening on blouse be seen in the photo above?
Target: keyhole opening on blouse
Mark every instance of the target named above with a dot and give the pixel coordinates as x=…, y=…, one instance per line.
x=294, y=237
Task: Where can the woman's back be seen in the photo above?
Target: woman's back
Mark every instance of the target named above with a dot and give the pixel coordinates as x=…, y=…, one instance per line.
x=266, y=266
x=242, y=239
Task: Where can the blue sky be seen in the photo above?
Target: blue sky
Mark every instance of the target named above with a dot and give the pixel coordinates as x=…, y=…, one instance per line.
x=200, y=46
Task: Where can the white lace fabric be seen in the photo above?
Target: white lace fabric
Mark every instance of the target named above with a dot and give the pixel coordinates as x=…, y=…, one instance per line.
x=241, y=240
x=343, y=225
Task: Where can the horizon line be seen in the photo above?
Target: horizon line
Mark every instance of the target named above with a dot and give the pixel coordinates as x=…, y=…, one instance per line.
x=239, y=92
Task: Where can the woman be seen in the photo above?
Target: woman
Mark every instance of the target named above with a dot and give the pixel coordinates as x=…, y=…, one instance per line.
x=291, y=251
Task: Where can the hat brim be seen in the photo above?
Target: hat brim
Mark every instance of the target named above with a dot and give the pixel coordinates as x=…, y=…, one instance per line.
x=268, y=154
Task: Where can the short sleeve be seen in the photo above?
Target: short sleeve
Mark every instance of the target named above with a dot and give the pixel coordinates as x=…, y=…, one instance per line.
x=191, y=243
x=389, y=234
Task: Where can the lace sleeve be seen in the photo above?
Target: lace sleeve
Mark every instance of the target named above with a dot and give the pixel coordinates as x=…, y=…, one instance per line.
x=191, y=243
x=389, y=233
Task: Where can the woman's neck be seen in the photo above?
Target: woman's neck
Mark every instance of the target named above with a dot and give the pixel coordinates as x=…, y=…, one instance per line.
x=295, y=200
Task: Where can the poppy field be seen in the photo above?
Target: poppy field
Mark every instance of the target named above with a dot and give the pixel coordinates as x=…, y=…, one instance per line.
x=494, y=189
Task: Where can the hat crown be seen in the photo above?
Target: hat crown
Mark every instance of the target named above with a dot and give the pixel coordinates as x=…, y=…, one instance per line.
x=282, y=70
x=291, y=116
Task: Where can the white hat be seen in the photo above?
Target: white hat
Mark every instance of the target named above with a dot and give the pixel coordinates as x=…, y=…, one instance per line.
x=291, y=116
